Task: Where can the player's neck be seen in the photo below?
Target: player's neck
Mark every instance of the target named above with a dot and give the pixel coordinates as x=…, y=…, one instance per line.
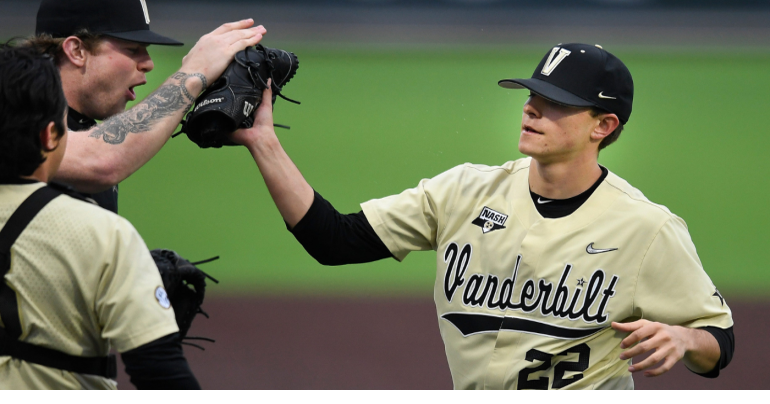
x=47, y=169
x=42, y=174
x=71, y=86
x=562, y=180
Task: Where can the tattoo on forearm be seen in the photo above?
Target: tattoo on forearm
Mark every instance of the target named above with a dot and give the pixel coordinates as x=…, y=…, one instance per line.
x=182, y=77
x=170, y=98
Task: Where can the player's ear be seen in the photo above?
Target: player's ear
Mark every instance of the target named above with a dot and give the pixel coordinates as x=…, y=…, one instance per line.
x=50, y=138
x=74, y=51
x=607, y=123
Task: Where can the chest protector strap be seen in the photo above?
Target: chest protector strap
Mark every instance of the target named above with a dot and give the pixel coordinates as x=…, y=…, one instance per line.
x=9, y=309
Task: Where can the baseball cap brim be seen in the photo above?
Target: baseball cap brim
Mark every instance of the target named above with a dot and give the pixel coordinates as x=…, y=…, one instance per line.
x=547, y=91
x=144, y=36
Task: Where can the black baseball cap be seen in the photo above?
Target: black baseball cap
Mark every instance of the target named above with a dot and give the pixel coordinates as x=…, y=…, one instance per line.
x=581, y=75
x=122, y=19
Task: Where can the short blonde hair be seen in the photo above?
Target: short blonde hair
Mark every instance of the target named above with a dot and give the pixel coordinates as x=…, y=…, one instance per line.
x=45, y=43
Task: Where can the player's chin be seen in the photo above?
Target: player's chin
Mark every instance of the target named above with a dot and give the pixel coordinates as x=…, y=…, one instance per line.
x=529, y=146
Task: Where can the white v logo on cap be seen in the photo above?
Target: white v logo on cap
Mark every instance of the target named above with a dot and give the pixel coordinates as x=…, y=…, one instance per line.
x=146, y=13
x=552, y=62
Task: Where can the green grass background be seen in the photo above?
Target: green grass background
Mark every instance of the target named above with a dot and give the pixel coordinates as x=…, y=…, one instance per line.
x=374, y=122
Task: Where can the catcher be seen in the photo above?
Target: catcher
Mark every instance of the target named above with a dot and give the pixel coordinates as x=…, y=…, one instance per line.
x=100, y=50
x=75, y=280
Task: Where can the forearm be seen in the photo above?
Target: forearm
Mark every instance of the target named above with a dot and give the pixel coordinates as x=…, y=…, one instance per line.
x=291, y=193
x=107, y=154
x=703, y=351
x=160, y=365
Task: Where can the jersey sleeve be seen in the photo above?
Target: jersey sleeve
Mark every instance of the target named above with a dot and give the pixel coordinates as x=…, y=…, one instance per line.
x=673, y=288
x=411, y=220
x=130, y=308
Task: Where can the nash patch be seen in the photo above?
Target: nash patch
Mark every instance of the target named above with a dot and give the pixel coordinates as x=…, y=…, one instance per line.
x=490, y=219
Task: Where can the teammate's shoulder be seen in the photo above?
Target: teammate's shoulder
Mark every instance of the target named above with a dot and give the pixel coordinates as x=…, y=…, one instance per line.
x=475, y=175
x=509, y=167
x=485, y=171
x=71, y=192
x=73, y=203
x=633, y=197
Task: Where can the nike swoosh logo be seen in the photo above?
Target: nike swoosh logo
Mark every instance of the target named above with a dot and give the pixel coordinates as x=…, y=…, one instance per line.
x=540, y=201
x=601, y=95
x=591, y=250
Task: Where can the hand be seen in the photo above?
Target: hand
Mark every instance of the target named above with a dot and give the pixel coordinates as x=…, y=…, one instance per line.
x=670, y=344
x=214, y=51
x=263, y=122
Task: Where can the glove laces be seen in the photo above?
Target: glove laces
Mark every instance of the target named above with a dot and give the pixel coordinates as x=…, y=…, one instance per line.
x=200, y=310
x=271, y=68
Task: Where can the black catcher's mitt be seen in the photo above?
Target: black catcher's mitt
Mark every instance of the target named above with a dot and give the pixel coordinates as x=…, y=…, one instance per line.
x=229, y=103
x=185, y=285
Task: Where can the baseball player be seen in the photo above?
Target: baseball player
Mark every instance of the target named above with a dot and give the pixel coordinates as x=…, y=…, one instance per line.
x=100, y=47
x=76, y=279
x=552, y=272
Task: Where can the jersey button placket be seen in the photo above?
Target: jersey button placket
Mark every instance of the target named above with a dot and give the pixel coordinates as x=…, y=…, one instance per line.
x=508, y=358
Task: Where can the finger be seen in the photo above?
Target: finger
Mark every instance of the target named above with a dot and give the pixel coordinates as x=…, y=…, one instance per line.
x=244, y=43
x=237, y=35
x=650, y=361
x=637, y=336
x=640, y=348
x=259, y=29
x=267, y=96
x=263, y=116
x=627, y=327
x=230, y=26
x=251, y=33
x=665, y=367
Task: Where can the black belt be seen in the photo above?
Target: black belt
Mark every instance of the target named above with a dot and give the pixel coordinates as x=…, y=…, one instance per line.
x=9, y=343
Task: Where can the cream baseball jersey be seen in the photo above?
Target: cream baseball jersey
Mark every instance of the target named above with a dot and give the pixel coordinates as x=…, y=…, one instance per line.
x=85, y=283
x=526, y=302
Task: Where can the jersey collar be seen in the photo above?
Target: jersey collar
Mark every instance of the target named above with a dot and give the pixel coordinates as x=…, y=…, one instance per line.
x=77, y=121
x=599, y=201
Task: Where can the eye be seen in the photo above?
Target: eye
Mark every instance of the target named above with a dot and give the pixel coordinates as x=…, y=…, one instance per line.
x=134, y=50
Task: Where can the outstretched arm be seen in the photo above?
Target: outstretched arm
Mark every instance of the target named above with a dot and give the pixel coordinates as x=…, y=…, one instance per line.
x=328, y=236
x=107, y=154
x=697, y=348
x=291, y=193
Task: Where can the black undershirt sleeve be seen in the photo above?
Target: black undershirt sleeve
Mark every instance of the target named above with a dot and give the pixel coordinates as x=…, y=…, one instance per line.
x=726, y=341
x=333, y=238
x=160, y=365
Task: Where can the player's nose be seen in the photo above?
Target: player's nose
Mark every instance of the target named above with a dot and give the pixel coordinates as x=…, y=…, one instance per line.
x=530, y=108
x=145, y=63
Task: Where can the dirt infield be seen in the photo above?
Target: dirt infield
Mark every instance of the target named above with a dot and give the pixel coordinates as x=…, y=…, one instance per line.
x=315, y=343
